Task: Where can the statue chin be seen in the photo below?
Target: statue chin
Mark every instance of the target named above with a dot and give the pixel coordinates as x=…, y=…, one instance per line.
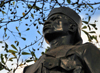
x=54, y=35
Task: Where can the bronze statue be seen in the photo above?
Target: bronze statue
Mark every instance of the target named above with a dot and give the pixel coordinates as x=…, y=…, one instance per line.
x=67, y=54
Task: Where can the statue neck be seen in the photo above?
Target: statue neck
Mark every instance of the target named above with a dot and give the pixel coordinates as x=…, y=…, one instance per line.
x=63, y=40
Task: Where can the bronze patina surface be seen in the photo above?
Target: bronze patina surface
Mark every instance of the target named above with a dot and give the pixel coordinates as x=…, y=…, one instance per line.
x=67, y=54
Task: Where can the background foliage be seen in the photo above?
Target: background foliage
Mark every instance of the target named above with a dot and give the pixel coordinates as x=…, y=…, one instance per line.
x=19, y=17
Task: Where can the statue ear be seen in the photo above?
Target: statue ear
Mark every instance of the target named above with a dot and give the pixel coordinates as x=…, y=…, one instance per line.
x=72, y=28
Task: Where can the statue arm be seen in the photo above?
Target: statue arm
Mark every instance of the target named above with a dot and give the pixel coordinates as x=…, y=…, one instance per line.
x=91, y=57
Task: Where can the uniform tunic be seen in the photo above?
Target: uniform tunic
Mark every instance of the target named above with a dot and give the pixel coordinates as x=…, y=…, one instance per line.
x=83, y=58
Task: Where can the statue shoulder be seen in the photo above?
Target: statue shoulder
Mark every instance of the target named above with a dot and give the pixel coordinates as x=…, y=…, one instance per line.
x=89, y=44
x=90, y=48
x=81, y=49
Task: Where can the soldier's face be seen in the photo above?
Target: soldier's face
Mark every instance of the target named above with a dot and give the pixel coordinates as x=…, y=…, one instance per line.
x=56, y=25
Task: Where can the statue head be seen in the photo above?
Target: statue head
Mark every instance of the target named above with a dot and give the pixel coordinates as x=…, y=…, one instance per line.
x=62, y=21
